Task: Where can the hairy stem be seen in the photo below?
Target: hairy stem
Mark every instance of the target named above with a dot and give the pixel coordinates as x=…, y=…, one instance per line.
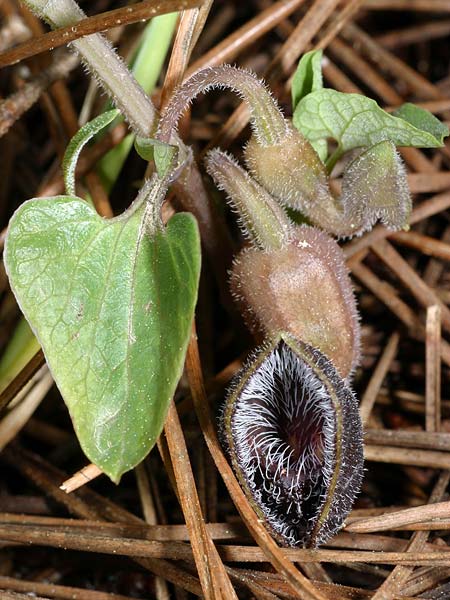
x=103, y=62
x=269, y=125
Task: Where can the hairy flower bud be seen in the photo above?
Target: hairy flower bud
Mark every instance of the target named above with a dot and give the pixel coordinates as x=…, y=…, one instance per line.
x=374, y=185
x=292, y=430
x=292, y=172
x=304, y=289
x=262, y=220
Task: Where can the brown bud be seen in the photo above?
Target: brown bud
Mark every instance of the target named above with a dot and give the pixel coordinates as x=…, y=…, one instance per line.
x=375, y=187
x=292, y=172
x=303, y=289
x=292, y=430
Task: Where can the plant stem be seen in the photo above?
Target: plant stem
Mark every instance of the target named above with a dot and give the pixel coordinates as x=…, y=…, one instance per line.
x=268, y=123
x=332, y=160
x=103, y=62
x=146, y=66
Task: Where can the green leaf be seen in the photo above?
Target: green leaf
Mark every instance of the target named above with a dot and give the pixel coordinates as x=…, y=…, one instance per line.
x=355, y=121
x=163, y=154
x=77, y=143
x=321, y=147
x=307, y=77
x=422, y=119
x=112, y=307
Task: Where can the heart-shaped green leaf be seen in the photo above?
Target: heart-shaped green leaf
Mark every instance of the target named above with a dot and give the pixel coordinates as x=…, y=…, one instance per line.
x=355, y=121
x=112, y=306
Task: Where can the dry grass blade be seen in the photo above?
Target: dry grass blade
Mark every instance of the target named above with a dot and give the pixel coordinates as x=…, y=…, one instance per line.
x=423, y=243
x=301, y=586
x=340, y=19
x=424, y=294
x=391, y=63
x=408, y=439
x=366, y=73
x=13, y=107
x=387, y=294
x=30, y=369
x=407, y=456
x=439, y=510
x=87, y=504
x=433, y=369
x=213, y=577
x=240, y=39
x=415, y=34
x=133, y=13
x=51, y=590
x=150, y=515
x=400, y=574
x=419, y=5
x=428, y=208
x=18, y=416
x=376, y=381
x=131, y=547
x=302, y=35
x=17, y=596
x=189, y=29
x=80, y=478
x=420, y=183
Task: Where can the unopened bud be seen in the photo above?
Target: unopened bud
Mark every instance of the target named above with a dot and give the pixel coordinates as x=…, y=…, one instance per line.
x=292, y=172
x=304, y=289
x=261, y=218
x=375, y=187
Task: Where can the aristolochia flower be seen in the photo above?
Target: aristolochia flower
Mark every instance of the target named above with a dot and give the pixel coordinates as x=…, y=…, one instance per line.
x=294, y=437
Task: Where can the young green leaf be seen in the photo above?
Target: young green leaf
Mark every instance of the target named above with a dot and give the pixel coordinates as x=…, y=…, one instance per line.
x=76, y=144
x=355, y=121
x=307, y=77
x=422, y=119
x=112, y=307
x=163, y=154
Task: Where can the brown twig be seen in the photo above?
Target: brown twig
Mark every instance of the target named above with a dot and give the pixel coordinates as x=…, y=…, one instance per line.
x=133, y=13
